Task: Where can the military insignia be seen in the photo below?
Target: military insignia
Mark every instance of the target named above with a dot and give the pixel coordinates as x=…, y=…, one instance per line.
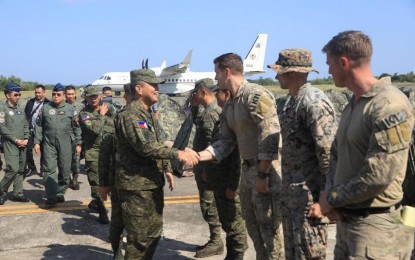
x=252, y=56
x=2, y=114
x=85, y=117
x=394, y=119
x=1, y=120
x=142, y=124
x=52, y=111
x=11, y=113
x=61, y=113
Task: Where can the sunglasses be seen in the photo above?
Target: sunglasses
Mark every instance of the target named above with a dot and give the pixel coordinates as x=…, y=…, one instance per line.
x=57, y=94
x=17, y=95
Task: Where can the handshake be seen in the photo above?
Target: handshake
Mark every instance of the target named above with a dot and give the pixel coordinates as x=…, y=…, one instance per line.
x=188, y=157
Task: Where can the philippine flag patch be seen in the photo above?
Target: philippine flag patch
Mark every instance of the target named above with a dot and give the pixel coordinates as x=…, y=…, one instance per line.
x=85, y=117
x=142, y=124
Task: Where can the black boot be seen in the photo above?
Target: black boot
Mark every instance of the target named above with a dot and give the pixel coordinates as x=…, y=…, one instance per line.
x=103, y=216
x=74, y=182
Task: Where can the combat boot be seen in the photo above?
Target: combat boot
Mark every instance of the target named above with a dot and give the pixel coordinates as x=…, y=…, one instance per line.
x=74, y=182
x=103, y=215
x=213, y=247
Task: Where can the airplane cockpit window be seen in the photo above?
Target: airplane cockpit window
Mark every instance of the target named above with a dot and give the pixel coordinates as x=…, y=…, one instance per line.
x=108, y=78
x=102, y=77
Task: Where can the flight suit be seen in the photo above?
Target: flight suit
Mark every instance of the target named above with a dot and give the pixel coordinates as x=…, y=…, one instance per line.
x=13, y=125
x=54, y=127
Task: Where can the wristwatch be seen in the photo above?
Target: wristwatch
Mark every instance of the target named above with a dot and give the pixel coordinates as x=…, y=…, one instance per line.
x=262, y=175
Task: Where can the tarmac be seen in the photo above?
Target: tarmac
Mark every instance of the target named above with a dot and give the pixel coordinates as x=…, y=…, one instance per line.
x=71, y=231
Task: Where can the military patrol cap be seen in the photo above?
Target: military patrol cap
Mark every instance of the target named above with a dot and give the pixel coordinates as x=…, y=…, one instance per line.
x=146, y=75
x=91, y=91
x=206, y=83
x=12, y=87
x=293, y=60
x=58, y=87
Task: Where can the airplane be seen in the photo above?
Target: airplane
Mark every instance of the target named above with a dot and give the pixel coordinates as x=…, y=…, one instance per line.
x=178, y=78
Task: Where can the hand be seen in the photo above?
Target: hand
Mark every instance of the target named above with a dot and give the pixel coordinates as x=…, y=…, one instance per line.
x=104, y=191
x=25, y=142
x=325, y=207
x=230, y=194
x=315, y=211
x=261, y=185
x=103, y=109
x=170, y=180
x=78, y=149
x=36, y=148
x=188, y=157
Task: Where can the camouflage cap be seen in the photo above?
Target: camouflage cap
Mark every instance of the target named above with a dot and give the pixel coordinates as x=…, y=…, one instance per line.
x=146, y=75
x=91, y=91
x=206, y=83
x=293, y=60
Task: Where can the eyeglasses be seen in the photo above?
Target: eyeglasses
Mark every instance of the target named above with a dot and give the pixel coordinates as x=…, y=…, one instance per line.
x=56, y=94
x=17, y=95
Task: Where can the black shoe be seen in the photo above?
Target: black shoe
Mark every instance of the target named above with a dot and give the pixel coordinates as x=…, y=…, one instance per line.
x=93, y=205
x=50, y=202
x=60, y=198
x=19, y=198
x=2, y=200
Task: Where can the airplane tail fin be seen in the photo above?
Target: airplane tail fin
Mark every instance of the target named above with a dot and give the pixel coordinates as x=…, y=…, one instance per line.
x=187, y=59
x=254, y=61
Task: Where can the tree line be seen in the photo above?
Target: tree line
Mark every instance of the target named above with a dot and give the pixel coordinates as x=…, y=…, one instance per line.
x=408, y=77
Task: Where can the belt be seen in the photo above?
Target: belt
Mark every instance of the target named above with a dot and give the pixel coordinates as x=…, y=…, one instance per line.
x=364, y=212
x=251, y=162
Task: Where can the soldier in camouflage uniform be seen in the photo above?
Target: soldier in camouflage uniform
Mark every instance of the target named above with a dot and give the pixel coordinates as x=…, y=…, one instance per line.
x=56, y=122
x=363, y=189
x=14, y=129
x=203, y=95
x=93, y=119
x=141, y=161
x=70, y=95
x=308, y=126
x=251, y=122
x=107, y=181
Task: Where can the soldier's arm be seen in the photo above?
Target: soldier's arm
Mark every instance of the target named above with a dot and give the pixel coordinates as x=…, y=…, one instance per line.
x=26, y=130
x=136, y=130
x=92, y=124
x=388, y=144
x=263, y=111
x=321, y=121
x=38, y=131
x=221, y=148
x=76, y=128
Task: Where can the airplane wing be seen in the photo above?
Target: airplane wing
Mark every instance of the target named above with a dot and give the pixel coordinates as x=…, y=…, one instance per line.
x=178, y=68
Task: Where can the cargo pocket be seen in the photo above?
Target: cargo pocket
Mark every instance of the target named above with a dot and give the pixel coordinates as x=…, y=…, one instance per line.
x=378, y=253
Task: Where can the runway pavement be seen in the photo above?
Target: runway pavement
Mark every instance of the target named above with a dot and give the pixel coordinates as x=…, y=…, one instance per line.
x=70, y=231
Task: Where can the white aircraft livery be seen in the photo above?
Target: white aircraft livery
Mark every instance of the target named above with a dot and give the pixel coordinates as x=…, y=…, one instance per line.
x=178, y=78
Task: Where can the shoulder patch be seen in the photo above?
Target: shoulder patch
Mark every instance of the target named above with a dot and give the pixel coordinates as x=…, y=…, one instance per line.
x=394, y=119
x=142, y=124
x=85, y=117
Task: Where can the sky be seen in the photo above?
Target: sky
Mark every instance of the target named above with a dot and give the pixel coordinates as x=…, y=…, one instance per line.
x=77, y=41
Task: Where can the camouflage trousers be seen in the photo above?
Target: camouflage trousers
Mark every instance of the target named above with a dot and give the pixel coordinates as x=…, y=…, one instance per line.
x=91, y=168
x=230, y=216
x=262, y=213
x=304, y=238
x=117, y=224
x=75, y=164
x=208, y=206
x=142, y=213
x=377, y=236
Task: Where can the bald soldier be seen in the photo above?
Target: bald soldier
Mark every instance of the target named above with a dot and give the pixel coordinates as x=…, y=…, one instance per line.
x=251, y=122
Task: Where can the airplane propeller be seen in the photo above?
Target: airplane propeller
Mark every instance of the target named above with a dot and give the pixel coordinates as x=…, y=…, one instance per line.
x=144, y=64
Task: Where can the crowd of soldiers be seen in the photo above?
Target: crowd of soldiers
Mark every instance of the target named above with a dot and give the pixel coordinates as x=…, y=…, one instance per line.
x=341, y=167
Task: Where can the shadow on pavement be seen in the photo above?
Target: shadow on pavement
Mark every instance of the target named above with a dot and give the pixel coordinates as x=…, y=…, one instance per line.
x=171, y=249
x=79, y=252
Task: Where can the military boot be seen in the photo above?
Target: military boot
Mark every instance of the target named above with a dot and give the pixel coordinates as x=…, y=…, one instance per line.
x=213, y=247
x=74, y=182
x=103, y=216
